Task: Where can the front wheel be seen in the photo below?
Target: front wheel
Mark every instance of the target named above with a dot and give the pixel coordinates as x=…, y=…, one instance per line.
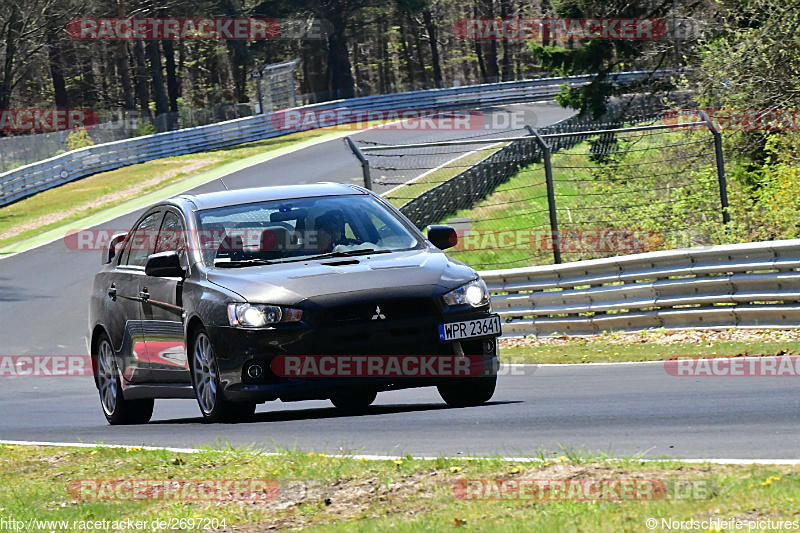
x=205, y=380
x=117, y=410
x=468, y=392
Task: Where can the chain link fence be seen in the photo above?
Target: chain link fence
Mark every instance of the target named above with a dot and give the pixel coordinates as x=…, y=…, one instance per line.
x=580, y=189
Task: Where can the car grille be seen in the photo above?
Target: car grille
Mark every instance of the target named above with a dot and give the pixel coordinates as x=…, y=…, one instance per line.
x=392, y=310
x=407, y=327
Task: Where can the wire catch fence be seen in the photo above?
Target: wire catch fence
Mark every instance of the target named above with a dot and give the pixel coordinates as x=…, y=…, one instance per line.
x=579, y=189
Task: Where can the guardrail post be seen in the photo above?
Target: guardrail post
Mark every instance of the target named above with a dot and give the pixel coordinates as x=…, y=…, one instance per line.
x=551, y=195
x=723, y=184
x=364, y=162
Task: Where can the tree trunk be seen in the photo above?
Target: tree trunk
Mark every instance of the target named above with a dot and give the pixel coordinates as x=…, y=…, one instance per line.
x=359, y=81
x=383, y=78
x=173, y=87
x=157, y=77
x=479, y=50
x=492, y=70
x=88, y=82
x=56, y=74
x=406, y=50
x=238, y=57
x=124, y=65
x=507, y=68
x=340, y=72
x=314, y=83
x=13, y=28
x=436, y=61
x=420, y=60
x=546, y=11
x=142, y=93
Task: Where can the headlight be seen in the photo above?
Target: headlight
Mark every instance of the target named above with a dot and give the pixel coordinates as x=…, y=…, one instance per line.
x=473, y=293
x=258, y=316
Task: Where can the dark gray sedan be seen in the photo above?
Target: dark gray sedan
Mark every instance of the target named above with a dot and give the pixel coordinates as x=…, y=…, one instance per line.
x=302, y=292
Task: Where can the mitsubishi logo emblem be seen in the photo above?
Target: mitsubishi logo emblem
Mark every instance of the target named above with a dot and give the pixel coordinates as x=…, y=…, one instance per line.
x=378, y=315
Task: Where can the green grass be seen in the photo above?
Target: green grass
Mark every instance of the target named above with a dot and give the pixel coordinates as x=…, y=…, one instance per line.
x=79, y=199
x=518, y=205
x=659, y=185
x=648, y=345
x=324, y=493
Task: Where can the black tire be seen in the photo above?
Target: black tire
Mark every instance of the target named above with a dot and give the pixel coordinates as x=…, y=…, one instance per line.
x=468, y=392
x=354, y=401
x=206, y=384
x=117, y=410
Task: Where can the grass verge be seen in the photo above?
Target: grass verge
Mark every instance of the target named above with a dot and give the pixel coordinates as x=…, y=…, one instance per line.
x=519, y=204
x=326, y=493
x=649, y=345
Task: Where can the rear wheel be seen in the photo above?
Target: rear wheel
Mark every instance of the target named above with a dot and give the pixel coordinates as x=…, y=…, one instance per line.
x=117, y=410
x=205, y=380
x=468, y=392
x=354, y=400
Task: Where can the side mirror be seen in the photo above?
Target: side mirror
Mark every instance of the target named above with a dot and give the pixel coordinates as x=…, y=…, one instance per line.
x=164, y=265
x=442, y=237
x=111, y=251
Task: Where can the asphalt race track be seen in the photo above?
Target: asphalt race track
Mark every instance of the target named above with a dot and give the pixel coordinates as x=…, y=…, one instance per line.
x=617, y=409
x=627, y=409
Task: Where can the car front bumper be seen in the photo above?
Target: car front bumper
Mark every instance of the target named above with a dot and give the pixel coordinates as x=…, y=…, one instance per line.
x=239, y=350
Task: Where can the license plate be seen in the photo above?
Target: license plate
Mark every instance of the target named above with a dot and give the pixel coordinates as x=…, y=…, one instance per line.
x=470, y=328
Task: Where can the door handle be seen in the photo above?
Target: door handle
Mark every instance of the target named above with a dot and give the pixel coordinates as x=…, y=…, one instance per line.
x=112, y=292
x=143, y=294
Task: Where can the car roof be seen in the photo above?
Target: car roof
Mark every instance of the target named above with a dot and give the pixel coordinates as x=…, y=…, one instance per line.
x=262, y=194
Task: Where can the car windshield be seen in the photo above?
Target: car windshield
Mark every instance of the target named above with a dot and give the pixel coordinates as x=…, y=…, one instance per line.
x=290, y=230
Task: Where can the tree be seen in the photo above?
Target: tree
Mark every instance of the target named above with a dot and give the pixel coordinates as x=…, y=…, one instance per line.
x=600, y=57
x=23, y=26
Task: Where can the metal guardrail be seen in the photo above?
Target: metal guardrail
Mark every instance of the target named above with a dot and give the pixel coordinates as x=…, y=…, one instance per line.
x=31, y=179
x=739, y=285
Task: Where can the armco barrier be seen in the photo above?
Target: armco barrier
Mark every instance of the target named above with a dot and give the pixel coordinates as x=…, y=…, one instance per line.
x=739, y=285
x=31, y=179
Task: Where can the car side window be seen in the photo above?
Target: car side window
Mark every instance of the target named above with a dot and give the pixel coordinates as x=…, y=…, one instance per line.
x=142, y=241
x=172, y=236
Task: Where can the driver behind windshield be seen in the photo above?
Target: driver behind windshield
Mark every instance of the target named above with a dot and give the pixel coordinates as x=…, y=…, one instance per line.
x=330, y=231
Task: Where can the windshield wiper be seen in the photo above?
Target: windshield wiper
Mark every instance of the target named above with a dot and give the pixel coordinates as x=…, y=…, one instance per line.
x=244, y=263
x=347, y=253
x=255, y=262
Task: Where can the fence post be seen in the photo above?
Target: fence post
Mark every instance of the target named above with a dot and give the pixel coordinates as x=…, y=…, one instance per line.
x=551, y=195
x=723, y=184
x=364, y=162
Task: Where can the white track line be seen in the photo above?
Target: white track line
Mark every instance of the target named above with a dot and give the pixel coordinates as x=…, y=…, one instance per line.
x=431, y=171
x=89, y=445
x=369, y=457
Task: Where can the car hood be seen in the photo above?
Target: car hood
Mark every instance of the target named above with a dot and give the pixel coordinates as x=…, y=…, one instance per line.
x=291, y=283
